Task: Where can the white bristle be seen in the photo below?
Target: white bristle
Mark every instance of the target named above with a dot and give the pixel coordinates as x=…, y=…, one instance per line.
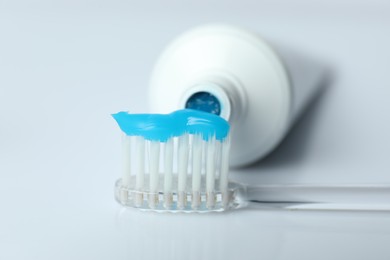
x=139, y=156
x=126, y=160
x=217, y=160
x=168, y=171
x=154, y=162
x=182, y=169
x=126, y=166
x=210, y=171
x=196, y=169
x=223, y=179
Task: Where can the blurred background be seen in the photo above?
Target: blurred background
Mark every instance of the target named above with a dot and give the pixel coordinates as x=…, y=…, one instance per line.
x=65, y=66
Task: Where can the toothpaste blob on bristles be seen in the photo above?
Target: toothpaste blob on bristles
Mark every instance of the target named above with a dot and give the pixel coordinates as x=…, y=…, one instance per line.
x=160, y=127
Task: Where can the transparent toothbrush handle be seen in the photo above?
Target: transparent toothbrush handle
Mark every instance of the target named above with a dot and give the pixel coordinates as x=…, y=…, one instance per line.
x=367, y=197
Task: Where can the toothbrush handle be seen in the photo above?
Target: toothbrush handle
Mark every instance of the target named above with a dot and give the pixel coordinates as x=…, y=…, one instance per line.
x=322, y=197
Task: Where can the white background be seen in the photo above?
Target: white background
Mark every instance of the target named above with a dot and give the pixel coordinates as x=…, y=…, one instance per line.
x=65, y=66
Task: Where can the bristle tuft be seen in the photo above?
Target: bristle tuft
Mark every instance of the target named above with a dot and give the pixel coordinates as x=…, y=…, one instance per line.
x=185, y=173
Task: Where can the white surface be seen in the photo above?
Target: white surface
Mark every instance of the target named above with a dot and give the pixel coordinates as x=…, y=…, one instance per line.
x=65, y=66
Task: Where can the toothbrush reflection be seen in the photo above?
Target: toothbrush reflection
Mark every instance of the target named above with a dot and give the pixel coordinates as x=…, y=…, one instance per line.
x=277, y=234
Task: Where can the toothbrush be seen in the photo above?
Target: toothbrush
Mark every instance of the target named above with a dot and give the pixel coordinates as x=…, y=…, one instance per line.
x=175, y=162
x=179, y=162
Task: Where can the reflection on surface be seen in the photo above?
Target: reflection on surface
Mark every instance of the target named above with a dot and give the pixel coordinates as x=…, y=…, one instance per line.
x=275, y=235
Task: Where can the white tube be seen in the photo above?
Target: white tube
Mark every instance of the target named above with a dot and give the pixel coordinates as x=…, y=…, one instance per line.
x=261, y=90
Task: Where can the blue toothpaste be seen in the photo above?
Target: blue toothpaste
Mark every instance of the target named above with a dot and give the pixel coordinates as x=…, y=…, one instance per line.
x=159, y=127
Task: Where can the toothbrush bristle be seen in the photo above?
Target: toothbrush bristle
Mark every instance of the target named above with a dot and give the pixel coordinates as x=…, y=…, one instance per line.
x=184, y=173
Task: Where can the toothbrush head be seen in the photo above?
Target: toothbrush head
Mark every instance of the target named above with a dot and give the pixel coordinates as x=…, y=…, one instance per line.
x=177, y=162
